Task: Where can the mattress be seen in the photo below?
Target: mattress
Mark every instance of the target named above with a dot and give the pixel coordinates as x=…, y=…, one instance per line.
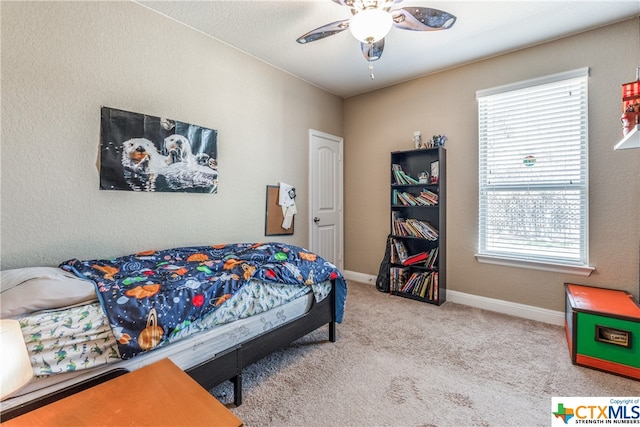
x=185, y=353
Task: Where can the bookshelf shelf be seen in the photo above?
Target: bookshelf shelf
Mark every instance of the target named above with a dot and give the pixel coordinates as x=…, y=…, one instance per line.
x=399, y=236
x=410, y=207
x=418, y=225
x=413, y=185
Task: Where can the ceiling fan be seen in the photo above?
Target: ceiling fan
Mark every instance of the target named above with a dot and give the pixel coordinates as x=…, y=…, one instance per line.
x=371, y=20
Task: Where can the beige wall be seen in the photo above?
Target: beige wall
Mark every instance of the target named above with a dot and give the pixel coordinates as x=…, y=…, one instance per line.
x=61, y=61
x=383, y=121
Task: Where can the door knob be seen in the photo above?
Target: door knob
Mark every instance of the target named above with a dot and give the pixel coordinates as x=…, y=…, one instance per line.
x=316, y=219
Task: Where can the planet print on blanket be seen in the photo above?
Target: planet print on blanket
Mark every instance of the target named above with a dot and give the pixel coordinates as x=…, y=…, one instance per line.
x=151, y=335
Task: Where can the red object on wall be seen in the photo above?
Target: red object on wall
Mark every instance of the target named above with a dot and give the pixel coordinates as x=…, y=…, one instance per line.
x=630, y=95
x=630, y=106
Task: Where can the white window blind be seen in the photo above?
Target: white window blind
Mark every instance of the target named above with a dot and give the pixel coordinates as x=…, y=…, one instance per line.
x=533, y=197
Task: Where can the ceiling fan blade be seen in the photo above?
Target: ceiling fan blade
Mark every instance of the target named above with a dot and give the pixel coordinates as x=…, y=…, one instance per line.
x=422, y=19
x=372, y=52
x=324, y=31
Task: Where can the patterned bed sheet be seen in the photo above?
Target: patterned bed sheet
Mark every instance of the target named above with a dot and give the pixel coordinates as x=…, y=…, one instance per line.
x=80, y=337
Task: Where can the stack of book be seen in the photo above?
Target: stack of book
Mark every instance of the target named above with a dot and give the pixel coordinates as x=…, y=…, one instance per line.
x=426, y=198
x=413, y=228
x=429, y=196
x=397, y=278
x=402, y=178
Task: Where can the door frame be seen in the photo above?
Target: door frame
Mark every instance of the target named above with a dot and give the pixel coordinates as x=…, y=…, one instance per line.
x=339, y=182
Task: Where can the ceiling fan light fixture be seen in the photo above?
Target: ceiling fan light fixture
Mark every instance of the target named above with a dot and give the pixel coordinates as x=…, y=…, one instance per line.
x=370, y=25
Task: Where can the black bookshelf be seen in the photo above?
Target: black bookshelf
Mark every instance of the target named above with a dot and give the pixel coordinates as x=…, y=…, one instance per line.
x=418, y=224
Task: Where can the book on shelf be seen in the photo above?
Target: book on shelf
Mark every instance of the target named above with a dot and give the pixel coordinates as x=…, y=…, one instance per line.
x=394, y=254
x=426, y=259
x=435, y=172
x=414, y=259
x=434, y=294
x=400, y=250
x=432, y=258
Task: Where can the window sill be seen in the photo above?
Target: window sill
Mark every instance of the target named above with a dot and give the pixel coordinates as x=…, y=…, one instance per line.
x=579, y=270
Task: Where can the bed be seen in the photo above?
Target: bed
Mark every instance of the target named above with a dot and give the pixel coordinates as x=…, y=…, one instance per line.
x=212, y=310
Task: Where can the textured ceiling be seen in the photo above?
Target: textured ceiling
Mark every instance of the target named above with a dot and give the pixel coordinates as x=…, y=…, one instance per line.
x=268, y=31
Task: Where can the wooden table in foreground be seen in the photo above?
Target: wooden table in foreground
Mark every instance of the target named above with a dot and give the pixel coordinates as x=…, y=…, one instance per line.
x=160, y=394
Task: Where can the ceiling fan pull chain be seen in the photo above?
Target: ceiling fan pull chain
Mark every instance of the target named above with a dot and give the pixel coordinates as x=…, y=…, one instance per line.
x=370, y=61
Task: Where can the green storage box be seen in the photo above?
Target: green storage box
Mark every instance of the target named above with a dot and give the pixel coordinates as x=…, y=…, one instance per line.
x=603, y=329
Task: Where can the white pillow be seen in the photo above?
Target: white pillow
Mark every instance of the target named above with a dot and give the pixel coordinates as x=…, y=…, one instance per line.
x=25, y=290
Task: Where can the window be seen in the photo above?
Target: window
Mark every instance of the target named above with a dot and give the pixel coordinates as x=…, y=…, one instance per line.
x=533, y=174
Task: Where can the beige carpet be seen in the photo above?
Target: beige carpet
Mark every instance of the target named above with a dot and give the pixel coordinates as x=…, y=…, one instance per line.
x=399, y=362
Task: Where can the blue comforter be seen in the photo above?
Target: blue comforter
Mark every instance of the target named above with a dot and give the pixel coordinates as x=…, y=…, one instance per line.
x=148, y=295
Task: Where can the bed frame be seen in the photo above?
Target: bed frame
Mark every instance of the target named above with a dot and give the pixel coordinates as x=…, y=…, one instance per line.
x=224, y=366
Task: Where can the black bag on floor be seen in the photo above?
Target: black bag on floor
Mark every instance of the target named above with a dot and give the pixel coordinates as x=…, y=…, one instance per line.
x=383, y=280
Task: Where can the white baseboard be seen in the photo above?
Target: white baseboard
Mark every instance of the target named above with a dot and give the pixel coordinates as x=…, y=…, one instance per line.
x=359, y=277
x=500, y=306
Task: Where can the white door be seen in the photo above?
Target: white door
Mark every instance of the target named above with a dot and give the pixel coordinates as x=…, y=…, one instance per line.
x=325, y=196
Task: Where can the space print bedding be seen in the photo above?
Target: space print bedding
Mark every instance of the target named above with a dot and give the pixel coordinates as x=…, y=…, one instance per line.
x=151, y=299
